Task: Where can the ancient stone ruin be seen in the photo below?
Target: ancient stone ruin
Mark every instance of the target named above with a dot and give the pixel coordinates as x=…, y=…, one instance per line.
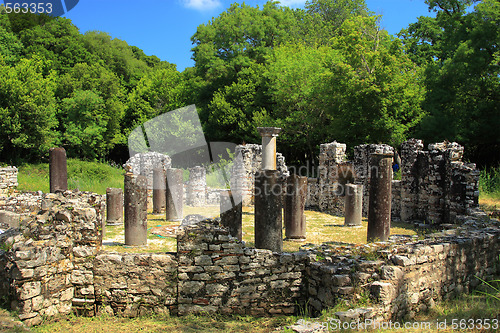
x=52, y=260
x=8, y=180
x=54, y=264
x=435, y=186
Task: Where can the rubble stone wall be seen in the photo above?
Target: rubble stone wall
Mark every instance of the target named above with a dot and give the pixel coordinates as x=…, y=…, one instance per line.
x=8, y=180
x=46, y=264
x=248, y=160
x=53, y=264
x=435, y=186
x=409, y=275
x=217, y=273
x=131, y=285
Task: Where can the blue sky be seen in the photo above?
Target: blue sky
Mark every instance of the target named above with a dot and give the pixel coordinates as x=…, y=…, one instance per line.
x=164, y=27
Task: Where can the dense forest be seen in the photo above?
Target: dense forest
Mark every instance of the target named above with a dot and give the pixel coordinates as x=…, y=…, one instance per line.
x=326, y=72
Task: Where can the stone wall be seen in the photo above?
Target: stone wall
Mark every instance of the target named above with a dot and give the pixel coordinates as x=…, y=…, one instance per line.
x=8, y=180
x=248, y=160
x=436, y=185
x=53, y=264
x=130, y=285
x=46, y=264
x=407, y=275
x=326, y=191
x=217, y=273
x=144, y=163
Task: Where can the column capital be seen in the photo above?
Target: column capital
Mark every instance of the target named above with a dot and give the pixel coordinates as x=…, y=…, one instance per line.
x=269, y=131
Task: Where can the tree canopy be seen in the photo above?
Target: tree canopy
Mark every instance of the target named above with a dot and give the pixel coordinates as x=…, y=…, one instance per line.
x=325, y=72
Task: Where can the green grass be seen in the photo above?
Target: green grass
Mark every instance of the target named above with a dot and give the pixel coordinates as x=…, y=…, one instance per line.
x=82, y=175
x=489, y=183
x=466, y=307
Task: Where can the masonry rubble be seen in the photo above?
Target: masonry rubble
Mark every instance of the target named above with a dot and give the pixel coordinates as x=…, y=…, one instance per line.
x=435, y=186
x=8, y=181
x=244, y=169
x=54, y=264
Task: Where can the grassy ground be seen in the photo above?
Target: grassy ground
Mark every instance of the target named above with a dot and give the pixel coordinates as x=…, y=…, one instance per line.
x=82, y=175
x=321, y=228
x=463, y=309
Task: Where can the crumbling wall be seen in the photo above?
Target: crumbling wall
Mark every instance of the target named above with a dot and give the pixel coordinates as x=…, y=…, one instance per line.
x=408, y=275
x=217, y=273
x=8, y=180
x=53, y=265
x=131, y=285
x=248, y=160
x=326, y=191
x=436, y=186
x=144, y=163
x=45, y=264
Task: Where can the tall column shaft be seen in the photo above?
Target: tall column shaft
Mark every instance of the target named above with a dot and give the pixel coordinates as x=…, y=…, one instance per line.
x=174, y=195
x=136, y=205
x=353, y=204
x=159, y=190
x=58, y=170
x=295, y=203
x=379, y=208
x=268, y=211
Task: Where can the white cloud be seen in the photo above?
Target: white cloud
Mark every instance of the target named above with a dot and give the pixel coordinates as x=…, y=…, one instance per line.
x=292, y=3
x=201, y=4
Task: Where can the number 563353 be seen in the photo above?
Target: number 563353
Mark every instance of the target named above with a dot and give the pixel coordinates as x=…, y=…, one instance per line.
x=25, y=7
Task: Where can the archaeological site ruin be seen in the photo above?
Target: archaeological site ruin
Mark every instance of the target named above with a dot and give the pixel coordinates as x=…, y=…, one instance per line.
x=52, y=258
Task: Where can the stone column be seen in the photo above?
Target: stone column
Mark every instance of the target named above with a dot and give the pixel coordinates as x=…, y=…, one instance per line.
x=175, y=195
x=114, y=206
x=196, y=190
x=58, y=170
x=268, y=210
x=353, y=205
x=295, y=203
x=231, y=212
x=136, y=205
x=410, y=186
x=379, y=208
x=159, y=190
x=269, y=135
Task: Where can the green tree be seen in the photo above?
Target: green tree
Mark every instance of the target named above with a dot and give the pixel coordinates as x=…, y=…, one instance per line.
x=57, y=40
x=105, y=84
x=160, y=91
x=27, y=109
x=298, y=84
x=460, y=48
x=10, y=46
x=85, y=124
x=378, y=88
x=124, y=60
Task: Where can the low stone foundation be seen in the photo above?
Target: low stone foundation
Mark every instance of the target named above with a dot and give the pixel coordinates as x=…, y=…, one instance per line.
x=53, y=264
x=407, y=275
